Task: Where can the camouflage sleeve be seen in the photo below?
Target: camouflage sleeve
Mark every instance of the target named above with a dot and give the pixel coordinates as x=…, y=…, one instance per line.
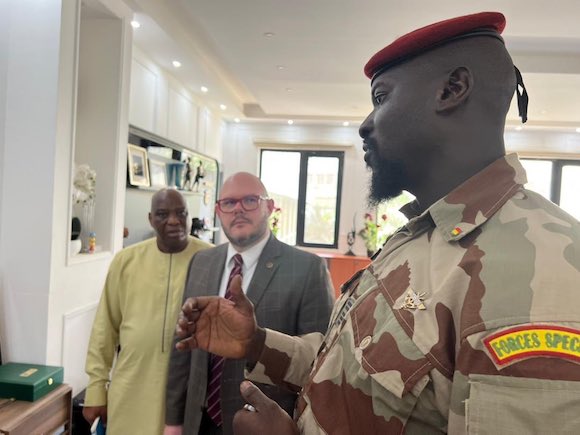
x=285, y=360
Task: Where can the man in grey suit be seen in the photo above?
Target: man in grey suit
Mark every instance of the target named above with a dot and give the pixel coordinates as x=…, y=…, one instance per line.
x=291, y=293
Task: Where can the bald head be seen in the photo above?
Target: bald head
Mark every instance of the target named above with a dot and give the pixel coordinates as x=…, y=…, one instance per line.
x=243, y=182
x=163, y=195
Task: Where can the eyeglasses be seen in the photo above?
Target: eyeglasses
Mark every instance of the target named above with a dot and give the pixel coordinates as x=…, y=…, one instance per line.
x=249, y=203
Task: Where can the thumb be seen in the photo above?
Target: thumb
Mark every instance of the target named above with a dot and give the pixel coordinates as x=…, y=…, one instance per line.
x=238, y=296
x=254, y=396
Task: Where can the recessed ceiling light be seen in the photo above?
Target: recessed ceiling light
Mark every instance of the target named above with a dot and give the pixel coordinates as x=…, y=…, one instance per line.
x=280, y=67
x=236, y=120
x=345, y=124
x=543, y=111
x=135, y=24
x=269, y=34
x=176, y=63
x=290, y=122
x=223, y=106
x=289, y=90
x=204, y=89
x=578, y=130
x=519, y=128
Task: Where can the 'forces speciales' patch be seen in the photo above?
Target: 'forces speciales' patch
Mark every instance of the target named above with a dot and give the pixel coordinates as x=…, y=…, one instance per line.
x=530, y=341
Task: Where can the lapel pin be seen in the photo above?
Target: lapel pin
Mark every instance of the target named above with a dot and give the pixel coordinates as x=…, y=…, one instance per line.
x=414, y=300
x=456, y=231
x=269, y=265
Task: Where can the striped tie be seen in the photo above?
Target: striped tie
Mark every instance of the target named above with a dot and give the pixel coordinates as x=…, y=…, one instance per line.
x=216, y=364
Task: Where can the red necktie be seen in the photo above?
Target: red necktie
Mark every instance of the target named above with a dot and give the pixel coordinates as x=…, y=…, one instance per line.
x=216, y=366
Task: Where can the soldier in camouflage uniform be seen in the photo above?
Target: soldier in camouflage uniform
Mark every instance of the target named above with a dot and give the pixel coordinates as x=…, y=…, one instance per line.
x=467, y=321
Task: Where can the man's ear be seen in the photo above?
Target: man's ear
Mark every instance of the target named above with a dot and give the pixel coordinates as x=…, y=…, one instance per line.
x=150, y=219
x=455, y=90
x=270, y=204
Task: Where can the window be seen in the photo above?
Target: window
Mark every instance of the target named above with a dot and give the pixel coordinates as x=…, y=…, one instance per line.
x=539, y=173
x=570, y=180
x=557, y=180
x=306, y=186
x=389, y=218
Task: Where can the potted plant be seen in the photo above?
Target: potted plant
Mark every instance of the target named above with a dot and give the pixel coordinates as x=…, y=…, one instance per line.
x=370, y=233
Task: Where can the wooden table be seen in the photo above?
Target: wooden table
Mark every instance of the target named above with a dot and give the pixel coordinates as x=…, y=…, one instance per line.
x=342, y=267
x=42, y=416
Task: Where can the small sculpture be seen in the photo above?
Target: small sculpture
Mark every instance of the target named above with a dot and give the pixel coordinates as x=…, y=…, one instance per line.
x=350, y=238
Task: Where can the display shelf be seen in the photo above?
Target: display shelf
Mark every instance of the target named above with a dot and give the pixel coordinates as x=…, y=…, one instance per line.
x=82, y=258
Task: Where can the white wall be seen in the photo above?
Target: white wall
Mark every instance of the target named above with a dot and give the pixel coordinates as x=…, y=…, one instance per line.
x=30, y=150
x=4, y=35
x=543, y=143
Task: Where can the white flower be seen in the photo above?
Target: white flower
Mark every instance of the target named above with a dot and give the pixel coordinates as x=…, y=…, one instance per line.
x=84, y=183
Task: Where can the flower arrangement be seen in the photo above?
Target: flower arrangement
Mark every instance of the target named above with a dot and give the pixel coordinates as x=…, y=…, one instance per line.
x=84, y=184
x=275, y=220
x=370, y=232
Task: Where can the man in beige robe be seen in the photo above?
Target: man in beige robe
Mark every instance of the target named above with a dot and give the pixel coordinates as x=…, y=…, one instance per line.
x=137, y=314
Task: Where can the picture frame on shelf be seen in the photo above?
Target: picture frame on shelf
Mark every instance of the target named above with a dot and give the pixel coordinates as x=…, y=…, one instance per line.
x=157, y=173
x=138, y=166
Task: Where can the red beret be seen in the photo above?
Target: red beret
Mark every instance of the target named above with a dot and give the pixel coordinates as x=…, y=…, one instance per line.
x=434, y=35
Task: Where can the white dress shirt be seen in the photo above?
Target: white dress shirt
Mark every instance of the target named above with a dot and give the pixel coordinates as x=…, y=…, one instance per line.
x=250, y=257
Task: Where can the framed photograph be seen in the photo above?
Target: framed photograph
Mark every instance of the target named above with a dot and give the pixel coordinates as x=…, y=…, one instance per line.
x=157, y=173
x=138, y=166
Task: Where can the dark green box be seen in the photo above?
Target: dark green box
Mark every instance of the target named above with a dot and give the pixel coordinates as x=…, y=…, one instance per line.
x=28, y=381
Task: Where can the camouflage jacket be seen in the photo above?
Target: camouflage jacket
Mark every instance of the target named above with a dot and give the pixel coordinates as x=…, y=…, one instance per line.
x=468, y=322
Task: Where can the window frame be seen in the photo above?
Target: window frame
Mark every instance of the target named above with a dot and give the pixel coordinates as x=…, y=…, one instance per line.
x=556, y=177
x=302, y=186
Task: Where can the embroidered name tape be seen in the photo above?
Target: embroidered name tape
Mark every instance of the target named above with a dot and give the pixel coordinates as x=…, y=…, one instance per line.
x=529, y=341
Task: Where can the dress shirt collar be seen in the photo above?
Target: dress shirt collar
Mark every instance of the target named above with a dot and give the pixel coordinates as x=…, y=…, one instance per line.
x=250, y=255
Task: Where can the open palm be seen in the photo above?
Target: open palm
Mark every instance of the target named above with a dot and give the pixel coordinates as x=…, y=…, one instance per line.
x=217, y=325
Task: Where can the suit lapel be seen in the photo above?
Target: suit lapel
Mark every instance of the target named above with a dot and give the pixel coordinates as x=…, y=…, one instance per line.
x=266, y=268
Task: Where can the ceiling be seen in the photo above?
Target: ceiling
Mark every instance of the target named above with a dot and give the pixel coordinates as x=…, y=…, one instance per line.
x=302, y=59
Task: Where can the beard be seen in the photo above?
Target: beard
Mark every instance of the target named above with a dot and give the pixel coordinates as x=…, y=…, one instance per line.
x=389, y=179
x=247, y=240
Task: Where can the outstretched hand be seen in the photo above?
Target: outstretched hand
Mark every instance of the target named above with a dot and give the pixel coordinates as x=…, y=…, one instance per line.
x=221, y=326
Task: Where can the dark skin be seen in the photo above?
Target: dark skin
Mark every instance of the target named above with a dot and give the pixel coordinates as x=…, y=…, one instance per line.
x=455, y=101
x=168, y=217
x=437, y=120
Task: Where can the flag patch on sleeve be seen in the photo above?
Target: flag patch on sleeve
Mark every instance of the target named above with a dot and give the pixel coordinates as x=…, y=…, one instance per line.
x=529, y=341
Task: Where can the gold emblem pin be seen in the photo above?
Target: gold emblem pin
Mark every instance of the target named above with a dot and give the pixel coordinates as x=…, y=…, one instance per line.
x=414, y=300
x=269, y=265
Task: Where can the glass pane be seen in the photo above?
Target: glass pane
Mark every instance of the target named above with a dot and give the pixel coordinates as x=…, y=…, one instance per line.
x=539, y=174
x=321, y=187
x=569, y=198
x=389, y=219
x=281, y=176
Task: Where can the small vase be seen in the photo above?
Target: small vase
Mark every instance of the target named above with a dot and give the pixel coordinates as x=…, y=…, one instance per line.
x=87, y=223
